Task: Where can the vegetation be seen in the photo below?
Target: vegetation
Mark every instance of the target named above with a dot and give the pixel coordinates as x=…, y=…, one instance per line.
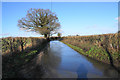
x=16, y=52
x=10, y=44
x=59, y=34
x=41, y=21
x=100, y=47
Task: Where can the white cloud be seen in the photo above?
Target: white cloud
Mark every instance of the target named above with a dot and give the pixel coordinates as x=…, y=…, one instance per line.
x=4, y=34
x=118, y=19
x=101, y=29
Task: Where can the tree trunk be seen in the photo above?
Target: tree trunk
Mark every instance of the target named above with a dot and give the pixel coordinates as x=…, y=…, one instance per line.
x=48, y=38
x=45, y=35
x=22, y=46
x=11, y=47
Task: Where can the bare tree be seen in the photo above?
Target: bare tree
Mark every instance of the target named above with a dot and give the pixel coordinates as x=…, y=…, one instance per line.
x=41, y=21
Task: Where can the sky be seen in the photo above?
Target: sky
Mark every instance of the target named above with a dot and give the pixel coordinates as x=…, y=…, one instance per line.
x=82, y=18
x=60, y=0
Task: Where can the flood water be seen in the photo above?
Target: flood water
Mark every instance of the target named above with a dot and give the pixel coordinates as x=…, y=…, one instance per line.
x=61, y=61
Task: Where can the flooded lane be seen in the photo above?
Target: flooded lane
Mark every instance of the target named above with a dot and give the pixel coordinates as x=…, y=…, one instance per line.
x=61, y=61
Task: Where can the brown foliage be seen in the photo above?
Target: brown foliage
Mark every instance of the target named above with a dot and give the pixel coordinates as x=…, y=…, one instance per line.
x=10, y=44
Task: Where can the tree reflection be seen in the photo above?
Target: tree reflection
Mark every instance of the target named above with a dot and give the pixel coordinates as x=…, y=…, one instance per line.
x=51, y=60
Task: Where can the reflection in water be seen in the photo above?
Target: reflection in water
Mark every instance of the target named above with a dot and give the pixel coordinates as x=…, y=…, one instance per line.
x=82, y=71
x=60, y=61
x=108, y=70
x=50, y=61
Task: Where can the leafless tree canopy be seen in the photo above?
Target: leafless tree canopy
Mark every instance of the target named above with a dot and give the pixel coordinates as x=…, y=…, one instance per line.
x=41, y=21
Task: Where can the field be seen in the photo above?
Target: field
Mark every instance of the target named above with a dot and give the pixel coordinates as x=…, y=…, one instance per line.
x=100, y=47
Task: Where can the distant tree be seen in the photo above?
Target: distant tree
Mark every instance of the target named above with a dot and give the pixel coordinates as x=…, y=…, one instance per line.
x=41, y=21
x=69, y=35
x=119, y=31
x=22, y=42
x=59, y=34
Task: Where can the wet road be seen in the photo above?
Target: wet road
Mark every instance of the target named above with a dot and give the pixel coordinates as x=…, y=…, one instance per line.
x=61, y=61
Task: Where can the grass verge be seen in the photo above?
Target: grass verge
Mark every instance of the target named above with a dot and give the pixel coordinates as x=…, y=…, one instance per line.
x=95, y=53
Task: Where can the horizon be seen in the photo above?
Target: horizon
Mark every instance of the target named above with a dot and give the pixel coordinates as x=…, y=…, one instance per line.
x=89, y=18
x=62, y=36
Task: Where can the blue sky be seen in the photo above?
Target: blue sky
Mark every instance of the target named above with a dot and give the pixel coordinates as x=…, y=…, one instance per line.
x=83, y=18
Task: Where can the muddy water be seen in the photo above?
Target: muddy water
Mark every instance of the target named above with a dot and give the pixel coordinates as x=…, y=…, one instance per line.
x=60, y=61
